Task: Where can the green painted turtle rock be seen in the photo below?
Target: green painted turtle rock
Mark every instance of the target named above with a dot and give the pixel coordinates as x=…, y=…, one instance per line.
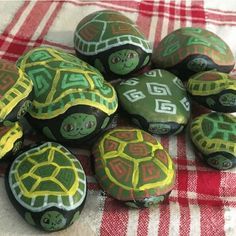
x=214, y=90
x=72, y=101
x=11, y=139
x=214, y=136
x=189, y=50
x=156, y=101
x=15, y=92
x=47, y=185
x=112, y=43
x=132, y=166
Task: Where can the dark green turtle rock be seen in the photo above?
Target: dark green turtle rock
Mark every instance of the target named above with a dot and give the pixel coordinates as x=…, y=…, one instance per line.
x=214, y=136
x=189, y=50
x=47, y=185
x=11, y=139
x=156, y=101
x=132, y=166
x=15, y=92
x=112, y=43
x=214, y=90
x=72, y=101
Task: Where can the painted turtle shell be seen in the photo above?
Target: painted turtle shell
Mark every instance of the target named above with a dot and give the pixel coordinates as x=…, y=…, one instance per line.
x=132, y=166
x=214, y=90
x=72, y=101
x=156, y=101
x=11, y=139
x=112, y=43
x=214, y=136
x=47, y=185
x=15, y=92
x=189, y=50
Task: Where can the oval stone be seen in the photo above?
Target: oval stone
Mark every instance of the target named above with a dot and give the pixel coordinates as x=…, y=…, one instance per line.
x=214, y=136
x=112, y=43
x=132, y=167
x=214, y=90
x=47, y=186
x=156, y=101
x=189, y=50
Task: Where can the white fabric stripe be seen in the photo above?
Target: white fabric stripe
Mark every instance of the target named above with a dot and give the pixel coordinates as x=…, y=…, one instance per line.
x=164, y=30
x=154, y=221
x=133, y=215
x=173, y=146
x=22, y=18
x=174, y=219
x=230, y=220
x=44, y=21
x=152, y=30
x=194, y=220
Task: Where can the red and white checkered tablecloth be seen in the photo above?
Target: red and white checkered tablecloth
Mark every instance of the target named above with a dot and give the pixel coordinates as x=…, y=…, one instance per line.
x=203, y=201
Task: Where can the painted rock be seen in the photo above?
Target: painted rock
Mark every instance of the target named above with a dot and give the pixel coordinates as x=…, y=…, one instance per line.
x=187, y=51
x=47, y=186
x=132, y=166
x=112, y=43
x=15, y=92
x=72, y=101
x=11, y=139
x=214, y=136
x=156, y=101
x=214, y=90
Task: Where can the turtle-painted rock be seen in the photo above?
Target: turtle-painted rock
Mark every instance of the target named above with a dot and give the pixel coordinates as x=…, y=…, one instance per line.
x=214, y=136
x=214, y=90
x=47, y=186
x=11, y=139
x=132, y=166
x=189, y=50
x=156, y=101
x=72, y=101
x=112, y=43
x=15, y=92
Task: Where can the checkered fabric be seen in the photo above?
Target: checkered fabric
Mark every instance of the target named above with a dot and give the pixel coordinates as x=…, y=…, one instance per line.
x=203, y=201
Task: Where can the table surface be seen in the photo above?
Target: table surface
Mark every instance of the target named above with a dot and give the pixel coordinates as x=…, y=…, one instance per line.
x=203, y=201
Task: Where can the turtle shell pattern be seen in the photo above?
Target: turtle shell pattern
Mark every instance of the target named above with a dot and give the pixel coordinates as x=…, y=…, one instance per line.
x=15, y=86
x=214, y=90
x=215, y=133
x=10, y=138
x=157, y=96
x=61, y=81
x=47, y=176
x=132, y=165
x=189, y=50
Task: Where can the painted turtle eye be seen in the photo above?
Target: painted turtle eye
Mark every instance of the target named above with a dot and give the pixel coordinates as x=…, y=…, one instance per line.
x=115, y=60
x=226, y=164
x=214, y=162
x=68, y=127
x=89, y=124
x=130, y=55
x=46, y=221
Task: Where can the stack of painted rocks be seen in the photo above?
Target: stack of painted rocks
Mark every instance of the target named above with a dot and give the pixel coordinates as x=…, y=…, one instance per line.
x=70, y=100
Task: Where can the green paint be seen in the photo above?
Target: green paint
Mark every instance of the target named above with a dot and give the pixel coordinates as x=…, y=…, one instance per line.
x=123, y=61
x=98, y=64
x=147, y=59
x=17, y=146
x=210, y=101
x=52, y=221
x=197, y=64
x=220, y=162
x=24, y=108
x=29, y=219
x=105, y=123
x=228, y=99
x=152, y=201
x=78, y=125
x=75, y=217
x=159, y=128
x=48, y=133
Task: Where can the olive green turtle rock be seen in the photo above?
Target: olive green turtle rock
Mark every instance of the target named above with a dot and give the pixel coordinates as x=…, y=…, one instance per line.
x=156, y=101
x=15, y=92
x=214, y=136
x=72, y=101
x=112, y=43
x=189, y=50
x=11, y=139
x=214, y=90
x=132, y=166
x=47, y=186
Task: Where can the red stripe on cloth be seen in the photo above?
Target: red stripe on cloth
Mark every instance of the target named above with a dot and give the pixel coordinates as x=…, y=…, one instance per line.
x=164, y=220
x=144, y=22
x=182, y=13
x=16, y=17
x=143, y=222
x=114, y=218
x=198, y=14
x=173, y=14
x=212, y=221
x=184, y=225
x=33, y=19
